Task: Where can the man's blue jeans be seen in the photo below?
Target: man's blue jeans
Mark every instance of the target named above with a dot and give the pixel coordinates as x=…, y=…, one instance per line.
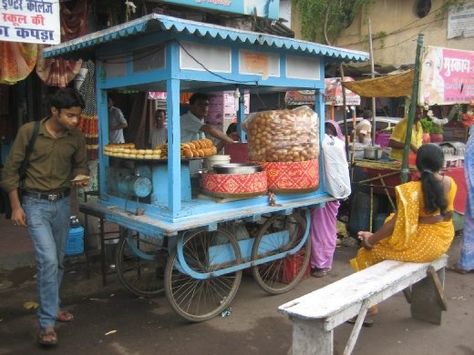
x=48, y=227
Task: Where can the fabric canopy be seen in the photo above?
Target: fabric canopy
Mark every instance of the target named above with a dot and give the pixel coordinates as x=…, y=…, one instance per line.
x=394, y=85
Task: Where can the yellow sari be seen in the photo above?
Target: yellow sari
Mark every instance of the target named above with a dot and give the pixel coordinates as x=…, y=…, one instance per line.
x=411, y=240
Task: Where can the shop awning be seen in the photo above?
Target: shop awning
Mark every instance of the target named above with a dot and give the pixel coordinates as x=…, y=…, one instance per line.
x=161, y=23
x=393, y=85
x=332, y=94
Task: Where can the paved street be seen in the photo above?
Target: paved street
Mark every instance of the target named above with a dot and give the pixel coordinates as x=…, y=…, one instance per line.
x=110, y=321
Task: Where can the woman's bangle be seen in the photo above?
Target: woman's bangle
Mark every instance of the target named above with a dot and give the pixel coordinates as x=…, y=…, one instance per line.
x=367, y=243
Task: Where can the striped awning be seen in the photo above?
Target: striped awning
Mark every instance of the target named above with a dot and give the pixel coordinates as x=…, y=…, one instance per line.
x=161, y=23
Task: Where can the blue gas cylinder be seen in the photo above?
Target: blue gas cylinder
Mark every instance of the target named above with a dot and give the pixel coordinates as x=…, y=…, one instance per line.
x=75, y=238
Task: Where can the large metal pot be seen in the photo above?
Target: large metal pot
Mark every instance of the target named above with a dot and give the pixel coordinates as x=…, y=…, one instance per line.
x=236, y=168
x=373, y=152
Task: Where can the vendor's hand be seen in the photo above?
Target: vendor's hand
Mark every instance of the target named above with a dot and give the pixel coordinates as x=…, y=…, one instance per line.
x=364, y=237
x=18, y=217
x=413, y=148
x=80, y=181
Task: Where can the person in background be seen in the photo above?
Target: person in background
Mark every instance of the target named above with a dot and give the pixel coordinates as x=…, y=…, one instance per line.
x=422, y=228
x=192, y=122
x=117, y=123
x=362, y=131
x=231, y=132
x=397, y=139
x=466, y=261
x=323, y=229
x=158, y=132
x=58, y=161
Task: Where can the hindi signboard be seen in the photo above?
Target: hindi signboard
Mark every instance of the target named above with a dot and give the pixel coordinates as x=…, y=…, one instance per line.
x=447, y=76
x=30, y=21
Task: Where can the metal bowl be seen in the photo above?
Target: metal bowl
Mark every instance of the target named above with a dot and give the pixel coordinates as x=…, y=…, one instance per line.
x=236, y=168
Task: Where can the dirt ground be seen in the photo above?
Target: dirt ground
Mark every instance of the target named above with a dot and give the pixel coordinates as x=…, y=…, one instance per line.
x=110, y=321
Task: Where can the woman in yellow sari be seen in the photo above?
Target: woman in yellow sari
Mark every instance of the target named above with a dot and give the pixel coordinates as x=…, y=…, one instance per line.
x=421, y=230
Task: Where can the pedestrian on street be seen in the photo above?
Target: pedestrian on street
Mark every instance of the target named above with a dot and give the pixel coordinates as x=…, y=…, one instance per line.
x=158, y=131
x=323, y=229
x=466, y=261
x=57, y=161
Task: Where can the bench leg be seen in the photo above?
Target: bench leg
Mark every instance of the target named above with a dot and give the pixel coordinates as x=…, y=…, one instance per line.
x=425, y=298
x=310, y=337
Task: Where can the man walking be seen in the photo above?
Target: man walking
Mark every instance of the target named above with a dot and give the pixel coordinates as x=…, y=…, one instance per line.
x=56, y=162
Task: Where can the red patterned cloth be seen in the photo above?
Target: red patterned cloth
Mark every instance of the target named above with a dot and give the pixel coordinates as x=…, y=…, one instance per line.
x=292, y=176
x=235, y=184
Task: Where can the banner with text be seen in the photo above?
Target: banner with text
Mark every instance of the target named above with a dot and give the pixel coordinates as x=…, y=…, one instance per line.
x=260, y=8
x=30, y=21
x=447, y=76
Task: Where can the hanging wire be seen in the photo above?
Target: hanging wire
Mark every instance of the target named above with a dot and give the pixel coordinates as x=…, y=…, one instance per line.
x=214, y=73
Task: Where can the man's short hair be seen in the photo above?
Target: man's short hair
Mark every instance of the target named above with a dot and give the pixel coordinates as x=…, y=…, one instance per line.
x=198, y=96
x=66, y=98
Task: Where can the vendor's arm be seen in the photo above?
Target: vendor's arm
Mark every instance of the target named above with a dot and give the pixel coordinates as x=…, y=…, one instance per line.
x=119, y=121
x=214, y=132
x=370, y=239
x=399, y=145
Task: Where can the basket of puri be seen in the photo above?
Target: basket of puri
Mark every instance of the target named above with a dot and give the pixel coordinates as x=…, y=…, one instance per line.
x=235, y=180
x=286, y=145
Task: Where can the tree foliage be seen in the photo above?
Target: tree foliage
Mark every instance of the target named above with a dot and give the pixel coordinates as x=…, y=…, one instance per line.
x=323, y=20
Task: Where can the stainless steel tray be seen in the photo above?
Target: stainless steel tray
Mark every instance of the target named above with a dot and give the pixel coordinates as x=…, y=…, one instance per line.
x=237, y=168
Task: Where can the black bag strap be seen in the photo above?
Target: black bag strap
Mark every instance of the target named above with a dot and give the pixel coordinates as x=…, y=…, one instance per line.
x=29, y=149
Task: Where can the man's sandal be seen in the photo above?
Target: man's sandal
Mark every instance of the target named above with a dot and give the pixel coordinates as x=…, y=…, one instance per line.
x=368, y=321
x=47, y=337
x=64, y=316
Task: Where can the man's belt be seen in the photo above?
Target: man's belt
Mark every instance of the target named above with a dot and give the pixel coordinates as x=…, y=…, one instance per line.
x=47, y=195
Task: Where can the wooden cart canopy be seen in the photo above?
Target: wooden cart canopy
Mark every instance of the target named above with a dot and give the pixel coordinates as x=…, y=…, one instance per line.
x=161, y=23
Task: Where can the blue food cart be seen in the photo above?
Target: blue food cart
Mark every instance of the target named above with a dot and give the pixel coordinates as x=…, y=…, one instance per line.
x=199, y=242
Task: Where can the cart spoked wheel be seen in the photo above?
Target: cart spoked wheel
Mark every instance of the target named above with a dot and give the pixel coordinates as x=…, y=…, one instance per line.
x=140, y=264
x=279, y=234
x=204, y=252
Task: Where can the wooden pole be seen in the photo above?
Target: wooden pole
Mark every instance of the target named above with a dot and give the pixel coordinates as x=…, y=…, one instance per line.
x=411, y=114
x=372, y=75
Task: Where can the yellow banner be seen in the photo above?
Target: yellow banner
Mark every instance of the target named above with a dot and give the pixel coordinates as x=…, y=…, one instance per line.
x=396, y=85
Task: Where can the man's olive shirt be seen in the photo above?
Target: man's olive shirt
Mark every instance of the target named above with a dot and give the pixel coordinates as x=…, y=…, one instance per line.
x=53, y=161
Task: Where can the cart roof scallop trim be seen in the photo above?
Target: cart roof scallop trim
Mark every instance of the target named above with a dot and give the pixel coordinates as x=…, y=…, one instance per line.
x=161, y=23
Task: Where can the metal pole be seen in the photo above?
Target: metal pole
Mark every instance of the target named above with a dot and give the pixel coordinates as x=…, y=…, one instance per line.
x=341, y=69
x=412, y=112
x=372, y=75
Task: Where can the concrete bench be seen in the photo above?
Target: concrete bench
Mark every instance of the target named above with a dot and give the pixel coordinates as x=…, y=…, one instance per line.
x=316, y=314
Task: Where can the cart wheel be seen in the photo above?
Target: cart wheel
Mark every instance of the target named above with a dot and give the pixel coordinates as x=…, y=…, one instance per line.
x=281, y=275
x=140, y=264
x=198, y=300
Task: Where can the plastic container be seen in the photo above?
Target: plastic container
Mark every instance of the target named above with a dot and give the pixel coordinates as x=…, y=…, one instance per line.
x=217, y=159
x=75, y=238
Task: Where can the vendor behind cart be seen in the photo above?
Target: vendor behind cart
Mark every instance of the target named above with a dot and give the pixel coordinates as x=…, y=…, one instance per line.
x=397, y=139
x=363, y=128
x=192, y=122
